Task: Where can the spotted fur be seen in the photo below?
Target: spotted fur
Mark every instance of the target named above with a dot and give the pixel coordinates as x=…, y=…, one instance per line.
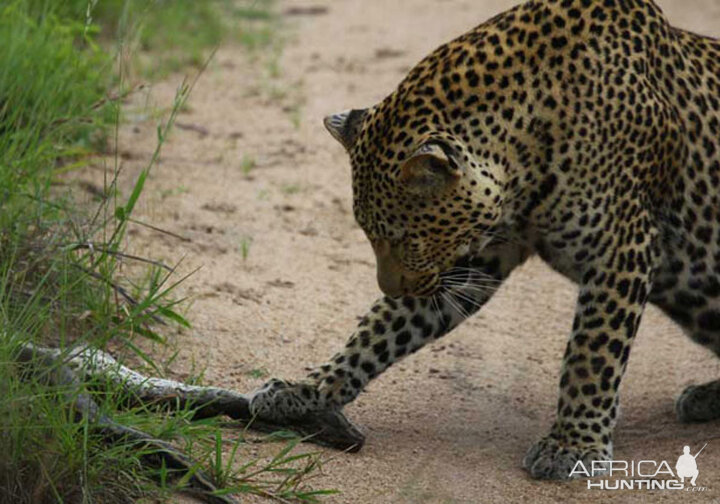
x=584, y=131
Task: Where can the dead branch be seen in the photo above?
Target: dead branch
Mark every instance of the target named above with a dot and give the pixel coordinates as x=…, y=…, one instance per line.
x=94, y=247
x=71, y=367
x=47, y=365
x=329, y=428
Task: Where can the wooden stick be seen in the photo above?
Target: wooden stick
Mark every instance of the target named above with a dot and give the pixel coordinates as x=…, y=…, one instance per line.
x=47, y=365
x=328, y=428
x=70, y=367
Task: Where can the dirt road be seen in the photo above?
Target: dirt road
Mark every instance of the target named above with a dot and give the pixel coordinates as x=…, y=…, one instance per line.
x=262, y=193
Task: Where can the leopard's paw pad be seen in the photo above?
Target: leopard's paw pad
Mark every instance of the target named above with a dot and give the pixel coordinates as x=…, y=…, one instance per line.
x=552, y=459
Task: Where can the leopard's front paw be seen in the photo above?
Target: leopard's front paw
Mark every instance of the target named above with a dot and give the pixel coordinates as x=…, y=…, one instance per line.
x=281, y=401
x=550, y=458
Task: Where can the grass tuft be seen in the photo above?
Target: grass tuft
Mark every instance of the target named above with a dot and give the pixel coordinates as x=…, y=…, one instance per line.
x=60, y=264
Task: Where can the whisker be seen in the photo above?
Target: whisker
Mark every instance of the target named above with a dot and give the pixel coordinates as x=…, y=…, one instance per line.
x=455, y=305
x=474, y=302
x=473, y=279
x=466, y=297
x=466, y=279
x=476, y=285
x=466, y=269
x=486, y=293
x=469, y=288
x=436, y=307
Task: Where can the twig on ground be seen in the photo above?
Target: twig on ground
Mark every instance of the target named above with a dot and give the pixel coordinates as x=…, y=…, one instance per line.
x=73, y=366
x=160, y=230
x=47, y=365
x=328, y=428
x=118, y=289
x=104, y=250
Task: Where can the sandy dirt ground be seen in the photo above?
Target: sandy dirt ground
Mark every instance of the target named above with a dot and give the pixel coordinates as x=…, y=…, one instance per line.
x=262, y=194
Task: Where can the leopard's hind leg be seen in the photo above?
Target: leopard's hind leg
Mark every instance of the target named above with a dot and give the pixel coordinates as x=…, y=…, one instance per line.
x=699, y=403
x=694, y=303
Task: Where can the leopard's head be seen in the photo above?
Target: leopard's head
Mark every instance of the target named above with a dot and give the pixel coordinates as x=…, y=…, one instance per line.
x=421, y=195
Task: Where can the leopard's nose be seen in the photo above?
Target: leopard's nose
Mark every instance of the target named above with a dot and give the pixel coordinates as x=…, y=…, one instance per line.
x=391, y=285
x=389, y=270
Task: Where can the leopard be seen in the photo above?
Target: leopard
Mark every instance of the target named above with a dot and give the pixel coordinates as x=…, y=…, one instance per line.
x=583, y=132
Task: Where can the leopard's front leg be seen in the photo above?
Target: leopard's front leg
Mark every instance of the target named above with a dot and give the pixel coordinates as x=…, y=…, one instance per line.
x=391, y=330
x=610, y=304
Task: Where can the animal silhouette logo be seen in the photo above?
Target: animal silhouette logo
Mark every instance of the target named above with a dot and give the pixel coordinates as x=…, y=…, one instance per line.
x=686, y=465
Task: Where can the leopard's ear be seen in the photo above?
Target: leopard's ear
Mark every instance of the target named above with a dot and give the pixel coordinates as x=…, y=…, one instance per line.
x=345, y=126
x=430, y=168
